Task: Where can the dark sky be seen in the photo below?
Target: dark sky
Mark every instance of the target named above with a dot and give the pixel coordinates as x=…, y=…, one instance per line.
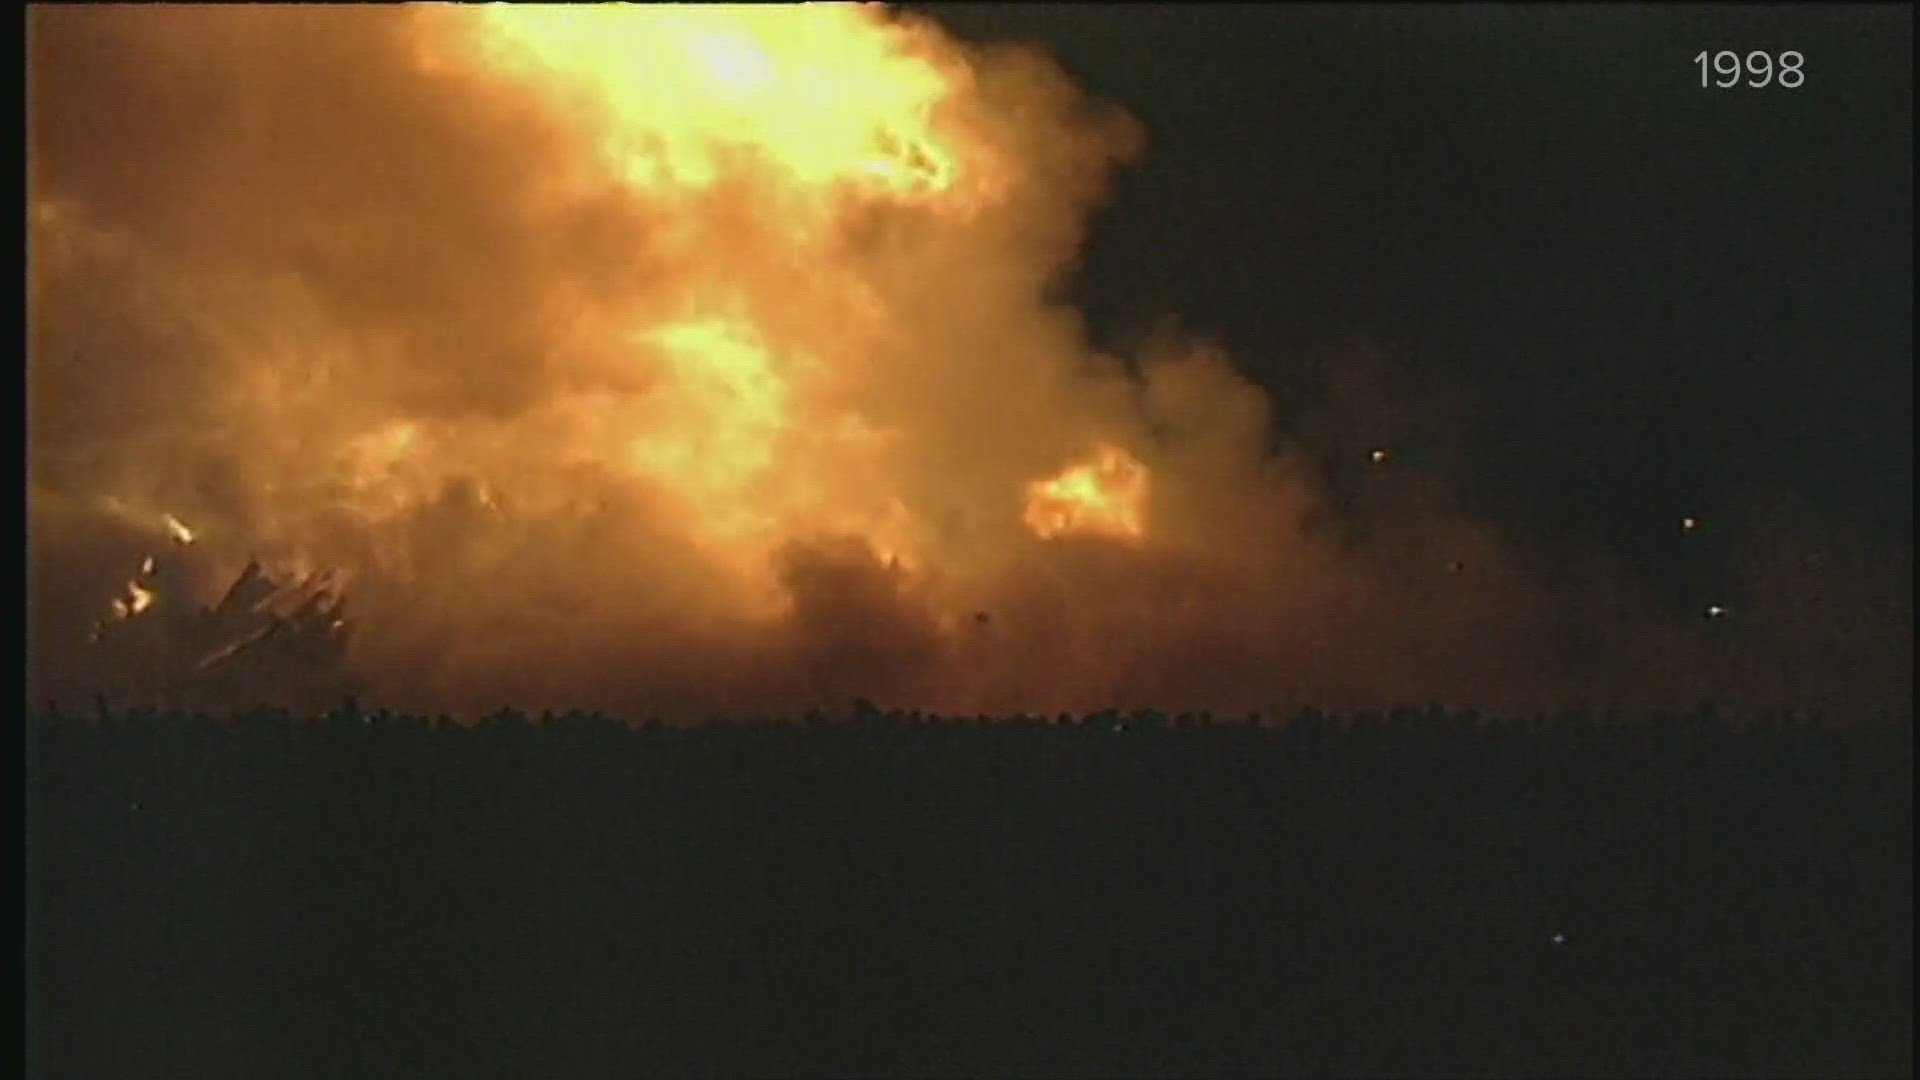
x=1641, y=297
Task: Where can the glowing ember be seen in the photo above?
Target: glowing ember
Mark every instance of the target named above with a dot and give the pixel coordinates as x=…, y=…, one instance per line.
x=137, y=599
x=1106, y=496
x=178, y=531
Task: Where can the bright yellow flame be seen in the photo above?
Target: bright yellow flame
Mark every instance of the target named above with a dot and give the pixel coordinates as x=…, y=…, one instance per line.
x=721, y=414
x=1106, y=496
x=754, y=128
x=686, y=93
x=730, y=363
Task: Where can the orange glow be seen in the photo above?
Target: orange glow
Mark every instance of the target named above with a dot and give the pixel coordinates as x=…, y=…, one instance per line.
x=755, y=128
x=683, y=94
x=1106, y=496
x=617, y=326
x=707, y=358
x=717, y=424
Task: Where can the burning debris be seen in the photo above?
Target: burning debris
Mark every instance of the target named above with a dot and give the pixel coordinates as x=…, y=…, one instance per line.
x=260, y=616
x=136, y=597
x=284, y=630
x=133, y=600
x=178, y=531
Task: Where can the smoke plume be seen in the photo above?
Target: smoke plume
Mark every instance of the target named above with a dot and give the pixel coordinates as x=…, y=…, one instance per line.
x=695, y=359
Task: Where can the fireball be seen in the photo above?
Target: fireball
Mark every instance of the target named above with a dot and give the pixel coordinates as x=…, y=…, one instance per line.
x=577, y=322
x=1105, y=496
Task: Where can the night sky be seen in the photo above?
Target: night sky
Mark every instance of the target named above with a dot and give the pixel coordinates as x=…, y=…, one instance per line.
x=522, y=389
x=1637, y=299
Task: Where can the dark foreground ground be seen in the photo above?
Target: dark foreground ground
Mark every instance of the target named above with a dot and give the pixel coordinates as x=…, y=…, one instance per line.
x=373, y=899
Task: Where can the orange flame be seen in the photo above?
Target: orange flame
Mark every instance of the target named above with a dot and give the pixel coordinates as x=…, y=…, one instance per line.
x=1106, y=496
x=684, y=94
x=723, y=299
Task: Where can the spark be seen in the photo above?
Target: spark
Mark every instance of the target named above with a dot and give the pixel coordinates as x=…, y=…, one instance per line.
x=136, y=600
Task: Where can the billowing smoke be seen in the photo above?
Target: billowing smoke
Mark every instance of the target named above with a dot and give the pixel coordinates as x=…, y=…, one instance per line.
x=702, y=358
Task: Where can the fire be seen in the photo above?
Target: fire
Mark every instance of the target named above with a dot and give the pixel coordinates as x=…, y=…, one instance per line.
x=1106, y=496
x=719, y=423
x=653, y=297
x=138, y=598
x=755, y=128
x=684, y=94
